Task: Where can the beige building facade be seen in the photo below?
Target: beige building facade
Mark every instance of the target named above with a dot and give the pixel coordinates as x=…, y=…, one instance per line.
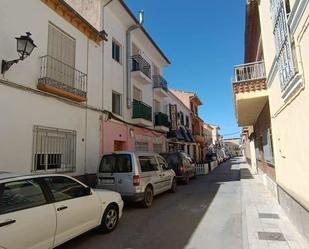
x=272, y=98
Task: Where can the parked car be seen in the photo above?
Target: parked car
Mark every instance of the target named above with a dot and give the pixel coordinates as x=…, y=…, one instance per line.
x=44, y=211
x=137, y=176
x=182, y=164
x=210, y=156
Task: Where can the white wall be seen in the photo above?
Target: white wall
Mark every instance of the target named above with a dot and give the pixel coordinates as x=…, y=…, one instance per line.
x=22, y=110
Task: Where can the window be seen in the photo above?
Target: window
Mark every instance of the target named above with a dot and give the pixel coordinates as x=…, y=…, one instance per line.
x=64, y=188
x=163, y=164
x=157, y=106
x=116, y=163
x=148, y=163
x=181, y=118
x=283, y=43
x=116, y=53
x=116, y=105
x=267, y=147
x=20, y=195
x=157, y=148
x=187, y=121
x=54, y=149
x=141, y=146
x=137, y=94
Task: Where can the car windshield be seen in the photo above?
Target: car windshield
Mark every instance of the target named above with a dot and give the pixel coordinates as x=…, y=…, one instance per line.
x=116, y=163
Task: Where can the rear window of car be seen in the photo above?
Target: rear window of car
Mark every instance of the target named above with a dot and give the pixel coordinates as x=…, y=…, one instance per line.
x=172, y=159
x=116, y=163
x=148, y=163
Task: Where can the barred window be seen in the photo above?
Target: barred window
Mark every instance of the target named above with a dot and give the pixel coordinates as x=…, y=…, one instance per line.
x=141, y=146
x=157, y=148
x=283, y=41
x=54, y=149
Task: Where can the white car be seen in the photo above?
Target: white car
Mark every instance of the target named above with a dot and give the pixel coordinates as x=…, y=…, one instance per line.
x=44, y=211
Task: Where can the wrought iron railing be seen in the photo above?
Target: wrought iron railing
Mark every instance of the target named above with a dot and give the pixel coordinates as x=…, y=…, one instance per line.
x=161, y=119
x=159, y=82
x=61, y=75
x=249, y=71
x=141, y=110
x=140, y=64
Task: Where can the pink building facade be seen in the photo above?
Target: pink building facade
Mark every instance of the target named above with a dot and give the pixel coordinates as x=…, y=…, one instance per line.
x=117, y=136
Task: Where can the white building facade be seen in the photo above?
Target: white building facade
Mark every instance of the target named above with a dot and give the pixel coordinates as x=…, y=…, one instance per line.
x=50, y=102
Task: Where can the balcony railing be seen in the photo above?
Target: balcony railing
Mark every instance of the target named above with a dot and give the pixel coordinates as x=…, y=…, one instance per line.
x=142, y=110
x=249, y=77
x=140, y=64
x=250, y=71
x=57, y=75
x=161, y=119
x=159, y=82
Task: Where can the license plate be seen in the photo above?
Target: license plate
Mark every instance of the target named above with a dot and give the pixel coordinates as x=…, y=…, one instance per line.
x=107, y=180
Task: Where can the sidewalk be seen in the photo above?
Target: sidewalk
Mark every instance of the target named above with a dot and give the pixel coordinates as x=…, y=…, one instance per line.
x=264, y=224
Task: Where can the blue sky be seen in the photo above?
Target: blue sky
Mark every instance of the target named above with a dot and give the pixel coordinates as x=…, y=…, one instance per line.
x=203, y=40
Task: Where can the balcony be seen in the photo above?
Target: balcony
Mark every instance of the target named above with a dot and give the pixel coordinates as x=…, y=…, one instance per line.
x=142, y=113
x=250, y=92
x=160, y=86
x=161, y=122
x=63, y=80
x=199, y=138
x=141, y=69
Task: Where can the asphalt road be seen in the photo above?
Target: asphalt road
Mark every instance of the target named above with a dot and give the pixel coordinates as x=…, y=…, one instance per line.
x=206, y=214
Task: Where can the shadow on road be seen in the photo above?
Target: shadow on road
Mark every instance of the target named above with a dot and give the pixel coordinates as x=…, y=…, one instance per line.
x=169, y=223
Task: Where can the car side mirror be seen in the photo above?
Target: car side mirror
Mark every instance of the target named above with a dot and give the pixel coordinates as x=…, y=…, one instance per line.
x=88, y=191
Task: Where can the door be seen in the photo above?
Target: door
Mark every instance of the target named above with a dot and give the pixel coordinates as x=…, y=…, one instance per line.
x=150, y=173
x=118, y=145
x=123, y=174
x=23, y=207
x=76, y=210
x=166, y=174
x=116, y=173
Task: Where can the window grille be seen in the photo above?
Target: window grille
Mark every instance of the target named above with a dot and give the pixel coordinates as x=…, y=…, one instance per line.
x=141, y=146
x=157, y=148
x=282, y=42
x=54, y=149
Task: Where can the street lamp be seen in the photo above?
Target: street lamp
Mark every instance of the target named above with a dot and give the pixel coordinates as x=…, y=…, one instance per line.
x=25, y=46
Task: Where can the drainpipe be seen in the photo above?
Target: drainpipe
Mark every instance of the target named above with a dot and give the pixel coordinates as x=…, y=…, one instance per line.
x=128, y=57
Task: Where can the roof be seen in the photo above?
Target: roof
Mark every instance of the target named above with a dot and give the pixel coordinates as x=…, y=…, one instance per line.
x=144, y=31
x=191, y=95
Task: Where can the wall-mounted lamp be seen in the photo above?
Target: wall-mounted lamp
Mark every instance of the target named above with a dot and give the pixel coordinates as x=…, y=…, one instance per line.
x=25, y=46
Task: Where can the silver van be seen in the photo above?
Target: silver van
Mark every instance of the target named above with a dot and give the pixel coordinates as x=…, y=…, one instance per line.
x=137, y=176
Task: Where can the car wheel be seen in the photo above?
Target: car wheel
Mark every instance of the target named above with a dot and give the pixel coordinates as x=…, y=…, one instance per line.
x=109, y=219
x=148, y=197
x=174, y=185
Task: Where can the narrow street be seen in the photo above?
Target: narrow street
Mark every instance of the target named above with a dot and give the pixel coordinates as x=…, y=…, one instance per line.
x=204, y=214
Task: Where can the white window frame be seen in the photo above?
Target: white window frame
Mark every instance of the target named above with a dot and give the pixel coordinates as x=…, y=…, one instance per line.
x=120, y=103
x=48, y=142
x=284, y=52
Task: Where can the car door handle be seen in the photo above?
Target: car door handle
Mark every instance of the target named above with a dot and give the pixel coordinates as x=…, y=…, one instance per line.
x=61, y=208
x=6, y=223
